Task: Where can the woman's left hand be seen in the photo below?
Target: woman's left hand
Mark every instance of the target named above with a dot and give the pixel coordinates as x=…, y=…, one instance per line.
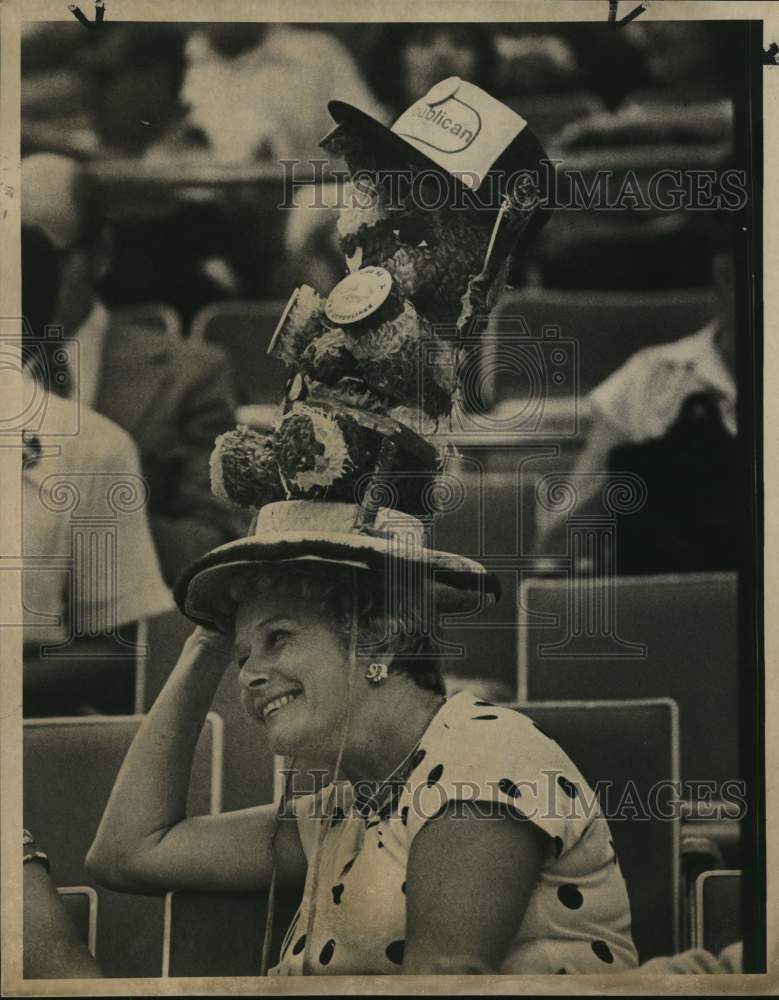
x=210, y=639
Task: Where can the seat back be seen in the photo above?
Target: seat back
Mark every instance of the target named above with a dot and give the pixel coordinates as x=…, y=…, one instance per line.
x=156, y=315
x=70, y=766
x=717, y=921
x=244, y=330
x=624, y=750
x=579, y=338
x=484, y=644
x=80, y=901
x=221, y=933
x=641, y=637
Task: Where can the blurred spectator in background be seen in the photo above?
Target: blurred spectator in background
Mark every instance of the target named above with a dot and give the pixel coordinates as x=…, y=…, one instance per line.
x=401, y=64
x=405, y=60
x=172, y=396
x=134, y=85
x=259, y=92
x=181, y=245
x=537, y=64
x=193, y=248
x=668, y=415
x=55, y=101
x=92, y=453
x=688, y=61
x=569, y=57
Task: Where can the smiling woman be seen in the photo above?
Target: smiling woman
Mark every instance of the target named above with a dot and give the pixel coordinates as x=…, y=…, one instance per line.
x=293, y=634
x=459, y=838
x=453, y=836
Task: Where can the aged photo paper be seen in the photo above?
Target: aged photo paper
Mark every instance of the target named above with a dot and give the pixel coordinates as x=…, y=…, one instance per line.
x=387, y=447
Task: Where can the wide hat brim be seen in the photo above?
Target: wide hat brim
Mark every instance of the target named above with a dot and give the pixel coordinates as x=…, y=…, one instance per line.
x=456, y=582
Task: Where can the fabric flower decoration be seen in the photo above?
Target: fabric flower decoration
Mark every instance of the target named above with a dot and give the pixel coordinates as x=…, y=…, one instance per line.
x=396, y=360
x=311, y=450
x=243, y=468
x=329, y=357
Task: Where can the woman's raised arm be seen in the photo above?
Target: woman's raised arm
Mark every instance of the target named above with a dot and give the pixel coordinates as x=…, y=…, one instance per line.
x=145, y=842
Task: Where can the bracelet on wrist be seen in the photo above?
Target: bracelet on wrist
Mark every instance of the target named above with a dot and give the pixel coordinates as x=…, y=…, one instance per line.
x=31, y=853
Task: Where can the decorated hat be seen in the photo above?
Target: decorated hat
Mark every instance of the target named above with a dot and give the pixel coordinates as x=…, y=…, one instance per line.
x=458, y=131
x=354, y=470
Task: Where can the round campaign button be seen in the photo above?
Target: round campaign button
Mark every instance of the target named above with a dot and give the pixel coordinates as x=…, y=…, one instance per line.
x=358, y=295
x=442, y=90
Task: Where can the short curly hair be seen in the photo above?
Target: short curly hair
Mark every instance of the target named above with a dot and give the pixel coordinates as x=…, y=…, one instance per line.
x=392, y=621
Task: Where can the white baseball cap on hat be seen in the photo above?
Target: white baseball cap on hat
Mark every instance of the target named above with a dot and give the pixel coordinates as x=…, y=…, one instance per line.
x=457, y=128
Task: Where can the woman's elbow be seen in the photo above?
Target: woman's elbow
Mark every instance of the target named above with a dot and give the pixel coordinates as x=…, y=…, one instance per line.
x=113, y=870
x=105, y=868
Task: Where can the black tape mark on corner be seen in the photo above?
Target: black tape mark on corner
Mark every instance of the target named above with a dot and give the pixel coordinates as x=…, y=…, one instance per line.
x=636, y=12
x=79, y=15
x=771, y=55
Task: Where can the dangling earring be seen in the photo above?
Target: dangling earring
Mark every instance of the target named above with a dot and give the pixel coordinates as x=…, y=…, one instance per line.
x=377, y=672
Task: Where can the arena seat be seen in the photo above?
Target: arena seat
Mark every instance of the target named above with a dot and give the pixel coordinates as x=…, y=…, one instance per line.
x=211, y=934
x=70, y=766
x=492, y=520
x=156, y=315
x=596, y=331
x=629, y=748
x=487, y=638
x=81, y=903
x=244, y=330
x=717, y=910
x=220, y=933
x=657, y=636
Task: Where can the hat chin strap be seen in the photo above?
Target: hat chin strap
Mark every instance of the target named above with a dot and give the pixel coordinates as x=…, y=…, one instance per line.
x=271, y=911
x=322, y=831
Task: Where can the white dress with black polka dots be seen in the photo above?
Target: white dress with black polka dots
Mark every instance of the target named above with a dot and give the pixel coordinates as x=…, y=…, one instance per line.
x=578, y=917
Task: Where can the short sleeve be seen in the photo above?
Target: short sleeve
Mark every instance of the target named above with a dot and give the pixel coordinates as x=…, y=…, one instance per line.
x=616, y=397
x=140, y=592
x=496, y=756
x=644, y=396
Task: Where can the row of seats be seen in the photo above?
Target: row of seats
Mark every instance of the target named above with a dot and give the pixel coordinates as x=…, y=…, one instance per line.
x=136, y=188
x=570, y=341
x=216, y=934
x=647, y=637
x=70, y=766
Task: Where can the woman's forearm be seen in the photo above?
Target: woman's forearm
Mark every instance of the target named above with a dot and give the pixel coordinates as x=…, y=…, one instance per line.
x=150, y=793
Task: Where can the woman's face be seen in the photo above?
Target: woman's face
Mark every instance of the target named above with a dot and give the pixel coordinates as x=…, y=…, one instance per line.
x=294, y=674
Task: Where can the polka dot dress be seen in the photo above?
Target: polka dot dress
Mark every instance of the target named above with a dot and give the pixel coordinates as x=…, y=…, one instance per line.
x=578, y=917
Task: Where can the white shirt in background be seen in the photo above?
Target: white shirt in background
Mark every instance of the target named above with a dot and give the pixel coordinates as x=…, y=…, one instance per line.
x=85, y=364
x=96, y=458
x=270, y=102
x=643, y=398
